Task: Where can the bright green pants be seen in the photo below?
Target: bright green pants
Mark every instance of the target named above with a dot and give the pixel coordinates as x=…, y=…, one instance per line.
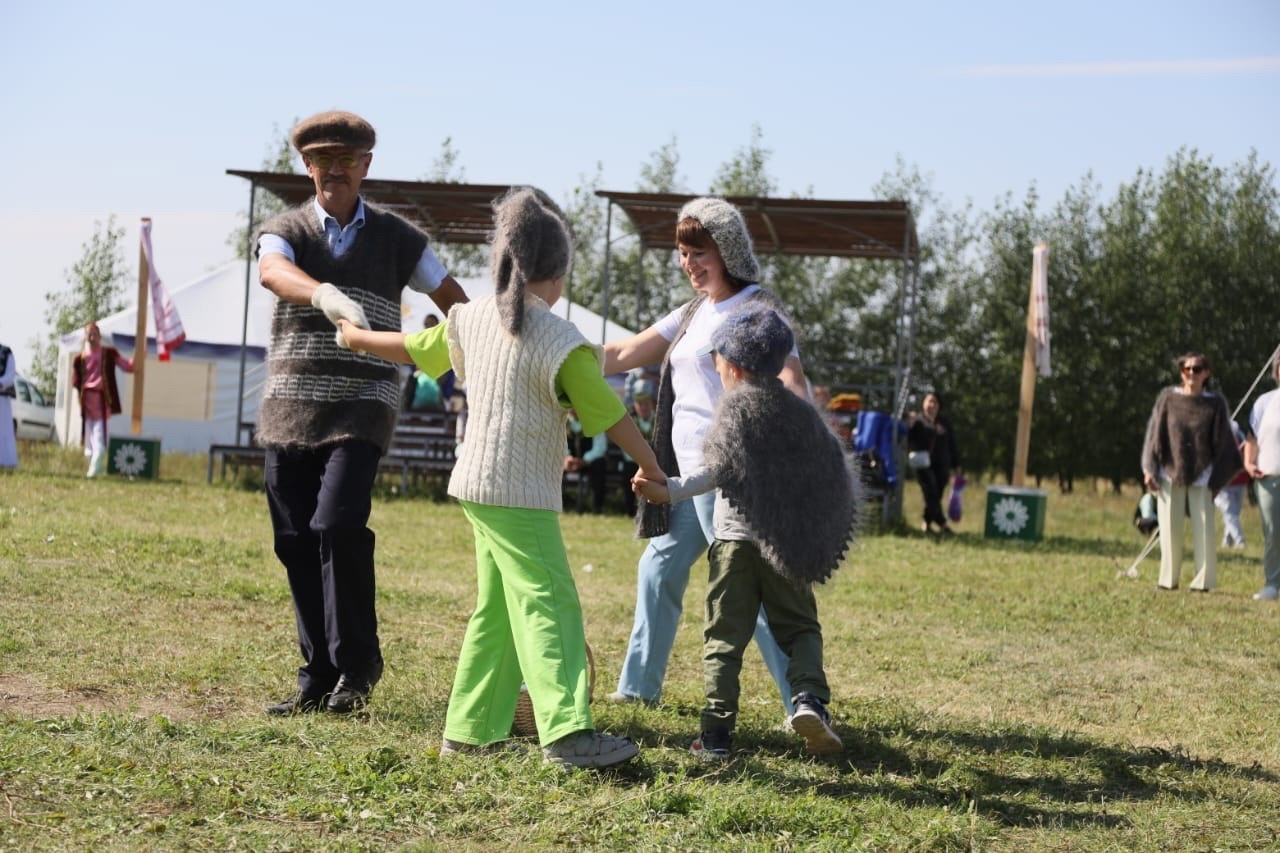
x=527, y=627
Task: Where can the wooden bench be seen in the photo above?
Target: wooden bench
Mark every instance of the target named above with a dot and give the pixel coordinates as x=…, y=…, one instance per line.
x=422, y=446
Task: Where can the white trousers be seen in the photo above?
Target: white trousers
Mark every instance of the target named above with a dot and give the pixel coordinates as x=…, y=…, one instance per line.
x=1170, y=508
x=1230, y=501
x=95, y=446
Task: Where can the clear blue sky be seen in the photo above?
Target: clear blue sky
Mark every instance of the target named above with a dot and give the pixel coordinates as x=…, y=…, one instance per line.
x=139, y=108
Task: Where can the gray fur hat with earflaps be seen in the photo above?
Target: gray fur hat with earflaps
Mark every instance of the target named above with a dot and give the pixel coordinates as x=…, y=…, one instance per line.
x=531, y=242
x=728, y=229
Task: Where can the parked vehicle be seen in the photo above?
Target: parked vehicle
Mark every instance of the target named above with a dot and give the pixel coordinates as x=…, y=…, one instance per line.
x=32, y=412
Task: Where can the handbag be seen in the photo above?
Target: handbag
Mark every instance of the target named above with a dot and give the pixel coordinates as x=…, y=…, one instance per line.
x=919, y=459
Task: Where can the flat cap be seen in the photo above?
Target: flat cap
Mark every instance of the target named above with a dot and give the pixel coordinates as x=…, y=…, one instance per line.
x=333, y=129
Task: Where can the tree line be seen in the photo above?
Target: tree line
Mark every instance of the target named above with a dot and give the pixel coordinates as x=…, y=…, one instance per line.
x=1184, y=258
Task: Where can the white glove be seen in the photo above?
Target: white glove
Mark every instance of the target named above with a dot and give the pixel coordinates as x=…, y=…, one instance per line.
x=337, y=305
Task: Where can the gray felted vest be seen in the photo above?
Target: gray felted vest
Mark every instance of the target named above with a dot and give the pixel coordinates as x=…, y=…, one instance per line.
x=317, y=393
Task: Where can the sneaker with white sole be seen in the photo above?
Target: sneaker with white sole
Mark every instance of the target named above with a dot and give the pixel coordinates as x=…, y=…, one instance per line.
x=1267, y=593
x=713, y=745
x=617, y=697
x=812, y=722
x=590, y=749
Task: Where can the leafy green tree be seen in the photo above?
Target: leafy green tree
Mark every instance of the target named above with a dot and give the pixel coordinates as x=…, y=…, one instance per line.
x=461, y=260
x=1177, y=261
x=279, y=158
x=97, y=283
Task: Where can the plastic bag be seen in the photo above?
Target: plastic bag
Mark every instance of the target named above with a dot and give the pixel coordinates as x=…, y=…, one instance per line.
x=955, y=506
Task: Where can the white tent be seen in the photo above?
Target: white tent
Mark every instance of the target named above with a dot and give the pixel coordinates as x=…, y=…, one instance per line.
x=190, y=401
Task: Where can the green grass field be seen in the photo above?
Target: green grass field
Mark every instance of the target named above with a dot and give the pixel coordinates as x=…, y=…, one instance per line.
x=992, y=696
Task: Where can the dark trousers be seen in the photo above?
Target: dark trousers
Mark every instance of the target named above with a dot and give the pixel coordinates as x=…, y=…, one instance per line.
x=629, y=470
x=740, y=582
x=320, y=503
x=932, y=484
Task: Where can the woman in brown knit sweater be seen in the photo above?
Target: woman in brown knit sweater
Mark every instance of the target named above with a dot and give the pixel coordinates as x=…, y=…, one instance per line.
x=1189, y=454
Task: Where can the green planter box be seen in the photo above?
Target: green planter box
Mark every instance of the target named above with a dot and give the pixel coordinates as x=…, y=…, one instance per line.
x=1015, y=513
x=134, y=457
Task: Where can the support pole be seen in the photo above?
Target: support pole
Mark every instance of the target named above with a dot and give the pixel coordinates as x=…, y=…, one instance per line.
x=1027, y=395
x=604, y=311
x=140, y=336
x=244, y=318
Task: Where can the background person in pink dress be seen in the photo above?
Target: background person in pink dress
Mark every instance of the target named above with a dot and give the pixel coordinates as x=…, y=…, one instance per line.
x=94, y=376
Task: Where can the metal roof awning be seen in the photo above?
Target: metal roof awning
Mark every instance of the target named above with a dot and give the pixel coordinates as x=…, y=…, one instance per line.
x=450, y=213
x=787, y=226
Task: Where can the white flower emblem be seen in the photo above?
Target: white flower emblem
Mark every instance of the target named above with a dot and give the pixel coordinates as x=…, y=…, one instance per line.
x=1009, y=515
x=131, y=459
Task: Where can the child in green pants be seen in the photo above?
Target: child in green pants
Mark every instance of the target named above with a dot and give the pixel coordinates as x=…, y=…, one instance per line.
x=524, y=369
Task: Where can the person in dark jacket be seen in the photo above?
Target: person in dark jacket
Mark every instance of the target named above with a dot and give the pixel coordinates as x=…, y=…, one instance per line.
x=930, y=434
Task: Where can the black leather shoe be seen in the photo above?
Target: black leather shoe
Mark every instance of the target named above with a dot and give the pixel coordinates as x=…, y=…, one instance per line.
x=298, y=703
x=352, y=693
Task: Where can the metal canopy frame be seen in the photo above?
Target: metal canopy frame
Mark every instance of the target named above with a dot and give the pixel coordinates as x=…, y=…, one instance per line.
x=882, y=230
x=450, y=213
x=463, y=213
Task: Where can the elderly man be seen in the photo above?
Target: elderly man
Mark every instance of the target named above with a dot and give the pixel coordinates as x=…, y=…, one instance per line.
x=327, y=413
x=1262, y=461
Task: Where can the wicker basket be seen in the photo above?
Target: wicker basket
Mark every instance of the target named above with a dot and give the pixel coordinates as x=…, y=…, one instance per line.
x=525, y=725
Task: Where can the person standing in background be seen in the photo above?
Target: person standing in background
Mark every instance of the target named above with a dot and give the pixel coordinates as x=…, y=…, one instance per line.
x=1262, y=461
x=94, y=376
x=1189, y=453
x=930, y=433
x=8, y=388
x=1230, y=500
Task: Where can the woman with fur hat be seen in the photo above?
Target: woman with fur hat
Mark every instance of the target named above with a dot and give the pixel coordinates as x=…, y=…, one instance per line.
x=524, y=369
x=717, y=255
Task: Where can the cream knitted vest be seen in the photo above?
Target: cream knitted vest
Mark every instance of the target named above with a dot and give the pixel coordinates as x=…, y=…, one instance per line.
x=514, y=452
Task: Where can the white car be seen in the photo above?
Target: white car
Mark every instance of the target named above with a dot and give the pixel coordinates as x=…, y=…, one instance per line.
x=32, y=412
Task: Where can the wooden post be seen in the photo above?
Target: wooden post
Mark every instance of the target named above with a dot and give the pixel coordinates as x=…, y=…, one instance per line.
x=1022, y=443
x=140, y=336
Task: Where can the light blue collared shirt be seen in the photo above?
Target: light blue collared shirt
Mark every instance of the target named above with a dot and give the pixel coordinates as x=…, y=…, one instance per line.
x=427, y=275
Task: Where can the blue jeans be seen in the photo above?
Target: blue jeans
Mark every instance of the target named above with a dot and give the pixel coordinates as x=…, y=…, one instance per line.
x=1267, y=491
x=663, y=576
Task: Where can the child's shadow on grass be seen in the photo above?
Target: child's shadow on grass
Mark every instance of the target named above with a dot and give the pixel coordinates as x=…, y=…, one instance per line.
x=1020, y=778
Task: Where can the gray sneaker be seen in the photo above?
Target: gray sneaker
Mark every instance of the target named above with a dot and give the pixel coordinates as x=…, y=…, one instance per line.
x=812, y=722
x=589, y=749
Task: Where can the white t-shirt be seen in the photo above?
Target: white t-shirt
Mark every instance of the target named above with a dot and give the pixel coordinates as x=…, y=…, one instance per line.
x=1264, y=421
x=693, y=377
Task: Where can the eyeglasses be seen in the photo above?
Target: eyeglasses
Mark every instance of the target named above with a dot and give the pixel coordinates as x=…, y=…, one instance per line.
x=1193, y=368
x=346, y=161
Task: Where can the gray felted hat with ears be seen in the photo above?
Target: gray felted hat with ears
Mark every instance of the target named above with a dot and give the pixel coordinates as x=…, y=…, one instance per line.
x=755, y=338
x=531, y=242
x=729, y=230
